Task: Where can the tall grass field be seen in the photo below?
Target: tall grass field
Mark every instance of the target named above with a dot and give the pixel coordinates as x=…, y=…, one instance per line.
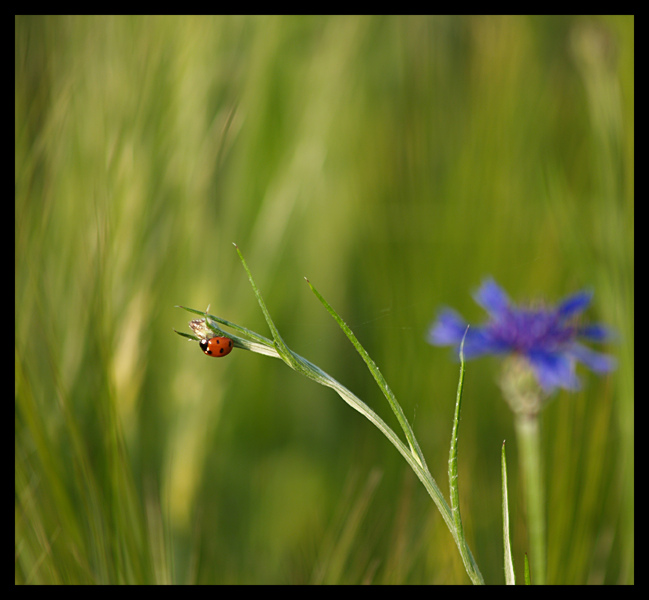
x=394, y=161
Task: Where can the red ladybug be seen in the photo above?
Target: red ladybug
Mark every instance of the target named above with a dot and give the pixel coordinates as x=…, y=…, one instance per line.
x=216, y=346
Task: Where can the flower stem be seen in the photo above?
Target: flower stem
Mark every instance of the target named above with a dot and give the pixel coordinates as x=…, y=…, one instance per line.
x=529, y=443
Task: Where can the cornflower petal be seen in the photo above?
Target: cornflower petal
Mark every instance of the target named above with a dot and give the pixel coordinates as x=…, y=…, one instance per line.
x=595, y=361
x=596, y=333
x=575, y=304
x=492, y=297
x=554, y=370
x=448, y=328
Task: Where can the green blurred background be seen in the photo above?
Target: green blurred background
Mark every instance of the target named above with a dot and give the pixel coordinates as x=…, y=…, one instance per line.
x=395, y=161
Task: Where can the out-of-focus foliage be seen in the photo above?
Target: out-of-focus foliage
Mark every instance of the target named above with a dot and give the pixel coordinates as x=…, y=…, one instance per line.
x=394, y=161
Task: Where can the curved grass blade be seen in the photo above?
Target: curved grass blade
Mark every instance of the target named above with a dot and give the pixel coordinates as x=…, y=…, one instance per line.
x=378, y=377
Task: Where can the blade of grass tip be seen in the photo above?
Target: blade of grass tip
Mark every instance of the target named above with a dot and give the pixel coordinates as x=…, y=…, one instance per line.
x=465, y=552
x=189, y=336
x=260, y=300
x=528, y=575
x=378, y=377
x=510, y=576
x=293, y=360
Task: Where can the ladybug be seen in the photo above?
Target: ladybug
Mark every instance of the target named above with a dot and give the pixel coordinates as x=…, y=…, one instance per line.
x=216, y=346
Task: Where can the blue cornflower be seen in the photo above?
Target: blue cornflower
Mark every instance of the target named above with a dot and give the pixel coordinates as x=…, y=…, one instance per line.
x=544, y=337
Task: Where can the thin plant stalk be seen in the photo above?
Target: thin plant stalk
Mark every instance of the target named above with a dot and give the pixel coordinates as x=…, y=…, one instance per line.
x=529, y=443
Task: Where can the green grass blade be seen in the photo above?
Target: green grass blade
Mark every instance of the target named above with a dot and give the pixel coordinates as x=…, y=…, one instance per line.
x=378, y=377
x=467, y=557
x=271, y=325
x=452, y=459
x=293, y=360
x=528, y=576
x=510, y=577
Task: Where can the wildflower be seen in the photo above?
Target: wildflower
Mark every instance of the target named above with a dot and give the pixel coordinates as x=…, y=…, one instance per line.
x=542, y=338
